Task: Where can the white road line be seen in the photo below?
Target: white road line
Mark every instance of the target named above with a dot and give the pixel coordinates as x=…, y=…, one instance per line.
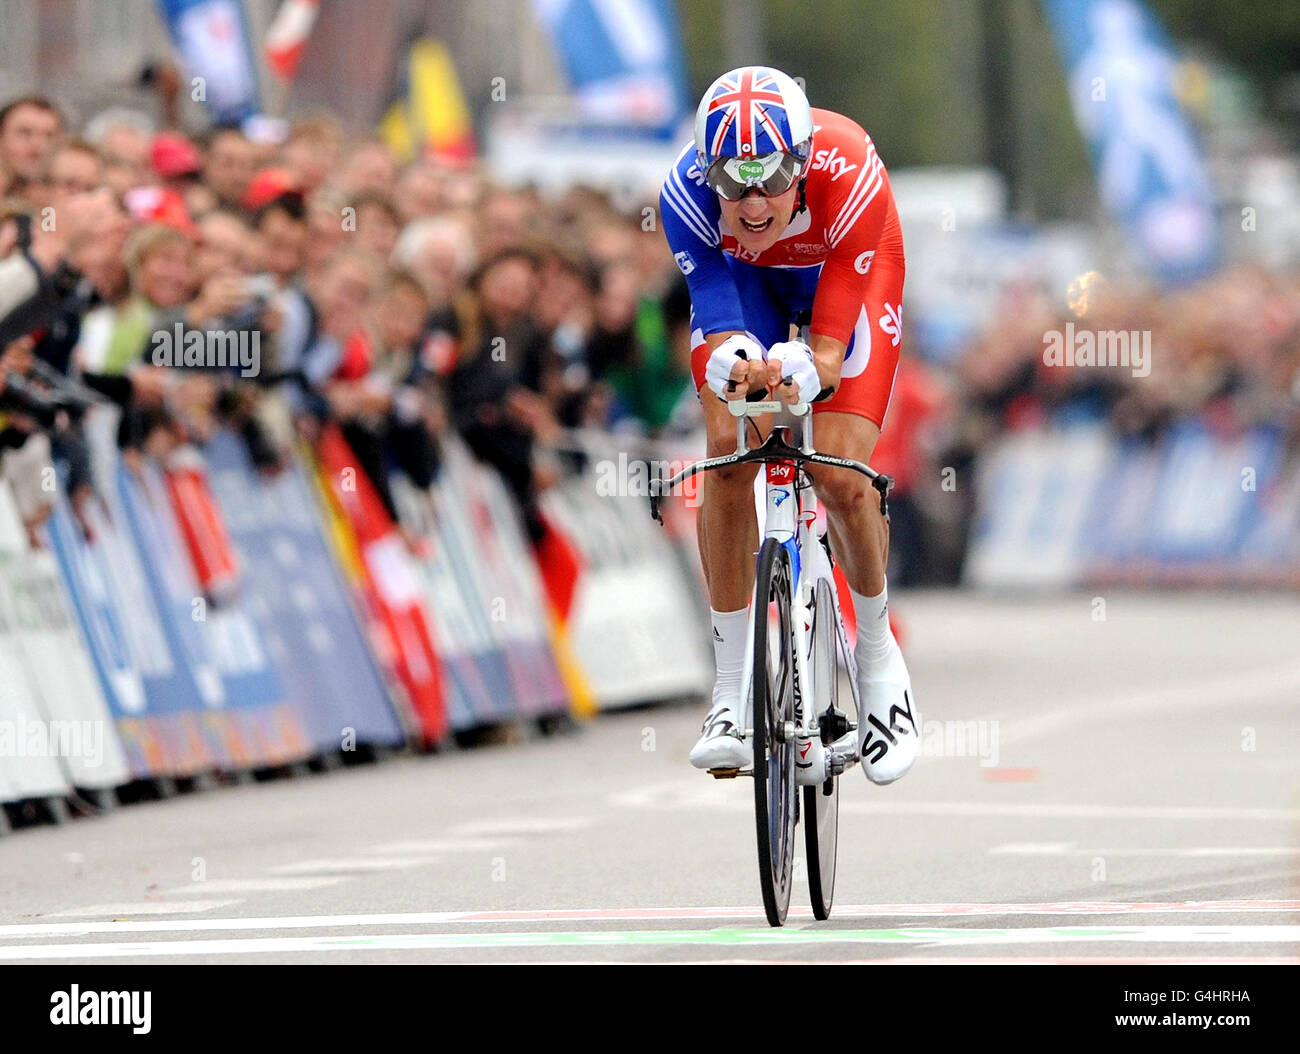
x=964, y=960
x=348, y=865
x=704, y=794
x=1238, y=880
x=1243, y=850
x=765, y=936
x=1065, y=810
x=282, y=884
x=660, y=914
x=438, y=845
x=523, y=825
x=1067, y=849
x=143, y=907
x=1271, y=685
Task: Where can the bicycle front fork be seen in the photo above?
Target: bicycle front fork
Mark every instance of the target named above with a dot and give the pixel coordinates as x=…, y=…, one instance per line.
x=812, y=762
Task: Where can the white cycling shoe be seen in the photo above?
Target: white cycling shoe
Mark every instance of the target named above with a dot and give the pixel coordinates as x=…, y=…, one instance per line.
x=720, y=745
x=889, y=734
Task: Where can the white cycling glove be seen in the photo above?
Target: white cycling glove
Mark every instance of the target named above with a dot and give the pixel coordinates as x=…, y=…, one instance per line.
x=723, y=360
x=796, y=360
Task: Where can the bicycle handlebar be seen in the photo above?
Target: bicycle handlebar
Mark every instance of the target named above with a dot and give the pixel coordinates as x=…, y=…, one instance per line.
x=741, y=408
x=774, y=448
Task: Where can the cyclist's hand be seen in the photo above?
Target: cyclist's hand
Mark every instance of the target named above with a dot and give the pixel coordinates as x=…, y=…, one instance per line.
x=792, y=373
x=738, y=362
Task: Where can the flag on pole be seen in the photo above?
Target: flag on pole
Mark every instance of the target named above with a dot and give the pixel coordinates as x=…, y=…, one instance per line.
x=214, y=42
x=623, y=58
x=286, y=39
x=428, y=115
x=1151, y=170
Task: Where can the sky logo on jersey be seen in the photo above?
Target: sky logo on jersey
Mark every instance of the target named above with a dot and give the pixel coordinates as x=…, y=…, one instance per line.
x=684, y=262
x=832, y=162
x=892, y=323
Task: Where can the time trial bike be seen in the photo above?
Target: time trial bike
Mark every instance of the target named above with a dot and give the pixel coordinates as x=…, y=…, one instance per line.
x=802, y=739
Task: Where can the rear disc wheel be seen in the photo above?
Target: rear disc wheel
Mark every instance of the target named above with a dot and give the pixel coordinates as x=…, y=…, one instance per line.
x=822, y=802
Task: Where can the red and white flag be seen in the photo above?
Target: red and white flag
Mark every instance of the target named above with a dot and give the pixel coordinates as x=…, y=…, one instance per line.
x=287, y=37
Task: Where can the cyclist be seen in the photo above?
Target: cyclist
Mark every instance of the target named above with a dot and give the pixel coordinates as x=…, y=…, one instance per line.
x=779, y=216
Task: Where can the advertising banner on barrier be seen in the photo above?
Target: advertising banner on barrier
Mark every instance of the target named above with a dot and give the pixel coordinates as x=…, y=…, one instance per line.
x=1063, y=507
x=189, y=686
x=172, y=687
x=1037, y=494
x=478, y=683
x=1270, y=547
x=102, y=618
x=631, y=652
x=498, y=572
x=273, y=723
x=29, y=762
x=1207, y=494
x=183, y=611
x=78, y=728
x=525, y=628
x=300, y=603
x=390, y=583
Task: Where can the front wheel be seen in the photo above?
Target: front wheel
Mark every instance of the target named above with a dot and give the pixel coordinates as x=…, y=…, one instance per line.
x=776, y=802
x=821, y=804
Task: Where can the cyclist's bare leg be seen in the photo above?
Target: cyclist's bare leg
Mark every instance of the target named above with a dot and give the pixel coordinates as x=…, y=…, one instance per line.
x=727, y=525
x=728, y=537
x=889, y=734
x=859, y=533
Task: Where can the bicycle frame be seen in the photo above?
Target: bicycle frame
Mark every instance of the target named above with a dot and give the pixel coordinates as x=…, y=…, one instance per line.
x=790, y=510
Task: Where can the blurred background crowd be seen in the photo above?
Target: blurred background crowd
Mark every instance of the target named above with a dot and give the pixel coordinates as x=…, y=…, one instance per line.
x=405, y=292
x=397, y=300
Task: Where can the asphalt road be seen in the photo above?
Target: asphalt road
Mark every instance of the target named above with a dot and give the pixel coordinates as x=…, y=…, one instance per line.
x=1129, y=791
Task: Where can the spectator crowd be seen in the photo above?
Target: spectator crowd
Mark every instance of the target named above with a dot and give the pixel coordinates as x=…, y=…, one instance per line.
x=1226, y=350
x=399, y=302
x=273, y=285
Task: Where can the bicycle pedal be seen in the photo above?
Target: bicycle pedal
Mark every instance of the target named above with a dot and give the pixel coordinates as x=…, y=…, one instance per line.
x=724, y=774
x=833, y=724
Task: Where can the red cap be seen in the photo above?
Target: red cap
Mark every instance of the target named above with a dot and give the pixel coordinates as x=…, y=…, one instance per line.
x=158, y=205
x=173, y=155
x=268, y=185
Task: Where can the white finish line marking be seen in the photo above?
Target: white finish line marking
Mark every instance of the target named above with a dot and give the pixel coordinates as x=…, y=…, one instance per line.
x=435, y=918
x=1067, y=849
x=282, y=884
x=438, y=845
x=146, y=907
x=345, y=866
x=694, y=795
x=537, y=825
x=725, y=937
x=972, y=960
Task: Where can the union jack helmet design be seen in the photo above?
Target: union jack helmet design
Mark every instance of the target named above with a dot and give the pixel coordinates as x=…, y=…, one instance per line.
x=752, y=112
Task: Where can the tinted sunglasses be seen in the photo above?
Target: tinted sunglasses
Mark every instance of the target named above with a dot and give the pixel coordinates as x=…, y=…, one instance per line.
x=773, y=174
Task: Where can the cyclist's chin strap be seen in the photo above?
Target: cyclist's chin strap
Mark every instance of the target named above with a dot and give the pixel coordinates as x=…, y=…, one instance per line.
x=803, y=197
